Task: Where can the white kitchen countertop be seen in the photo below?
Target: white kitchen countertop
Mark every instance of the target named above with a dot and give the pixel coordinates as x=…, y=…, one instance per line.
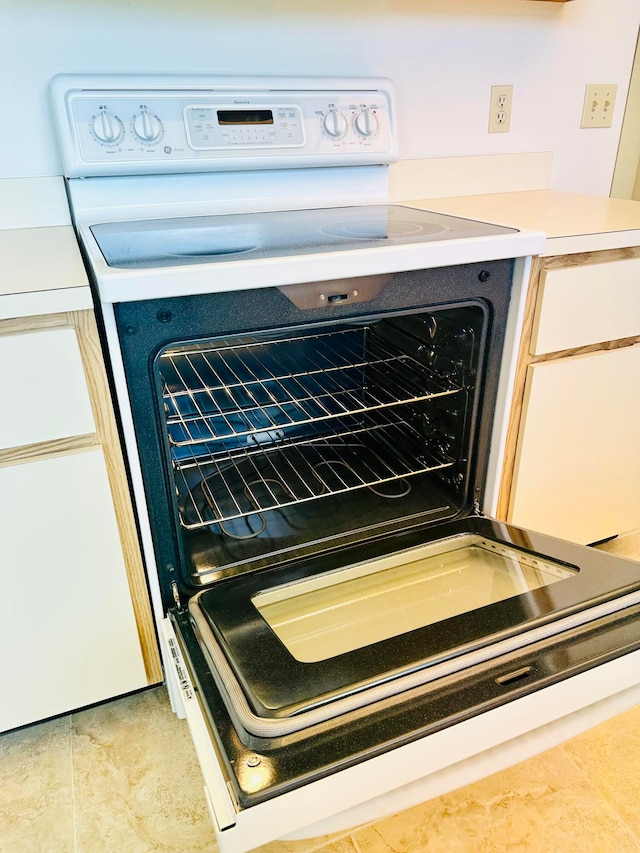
x=572, y=222
x=41, y=271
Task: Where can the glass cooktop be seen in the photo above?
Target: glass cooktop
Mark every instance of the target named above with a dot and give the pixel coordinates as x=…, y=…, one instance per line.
x=209, y=239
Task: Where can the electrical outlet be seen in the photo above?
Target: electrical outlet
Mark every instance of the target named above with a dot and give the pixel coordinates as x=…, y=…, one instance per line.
x=599, y=101
x=500, y=109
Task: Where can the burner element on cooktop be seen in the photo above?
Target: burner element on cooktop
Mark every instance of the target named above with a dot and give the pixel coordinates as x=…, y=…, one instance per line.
x=369, y=231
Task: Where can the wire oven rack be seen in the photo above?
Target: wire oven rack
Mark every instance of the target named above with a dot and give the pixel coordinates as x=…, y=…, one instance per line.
x=265, y=424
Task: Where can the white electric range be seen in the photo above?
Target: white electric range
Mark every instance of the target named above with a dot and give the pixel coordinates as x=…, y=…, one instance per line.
x=313, y=387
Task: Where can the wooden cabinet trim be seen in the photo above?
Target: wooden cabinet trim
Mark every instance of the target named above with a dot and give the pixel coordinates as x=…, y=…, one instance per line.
x=47, y=449
x=580, y=259
x=34, y=324
x=99, y=392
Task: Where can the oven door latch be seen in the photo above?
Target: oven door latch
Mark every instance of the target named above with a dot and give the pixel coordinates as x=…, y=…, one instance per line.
x=176, y=596
x=476, y=510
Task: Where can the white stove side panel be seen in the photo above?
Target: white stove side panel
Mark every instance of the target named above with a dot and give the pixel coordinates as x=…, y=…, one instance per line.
x=133, y=460
x=504, y=400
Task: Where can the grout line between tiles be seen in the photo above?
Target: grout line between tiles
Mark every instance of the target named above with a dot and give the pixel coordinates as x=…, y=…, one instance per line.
x=356, y=845
x=73, y=786
x=601, y=796
x=317, y=846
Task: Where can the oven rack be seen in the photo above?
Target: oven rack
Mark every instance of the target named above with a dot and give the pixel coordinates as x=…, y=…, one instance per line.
x=241, y=390
x=219, y=489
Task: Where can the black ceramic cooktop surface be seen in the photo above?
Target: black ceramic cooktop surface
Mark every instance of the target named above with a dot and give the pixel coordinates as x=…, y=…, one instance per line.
x=206, y=239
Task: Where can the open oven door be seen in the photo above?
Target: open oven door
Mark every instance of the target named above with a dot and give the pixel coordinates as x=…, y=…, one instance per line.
x=300, y=736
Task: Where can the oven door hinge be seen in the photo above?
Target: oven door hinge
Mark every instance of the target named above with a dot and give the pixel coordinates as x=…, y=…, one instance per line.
x=476, y=508
x=176, y=596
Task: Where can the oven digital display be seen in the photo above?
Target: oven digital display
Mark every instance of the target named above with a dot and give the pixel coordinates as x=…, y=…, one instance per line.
x=245, y=117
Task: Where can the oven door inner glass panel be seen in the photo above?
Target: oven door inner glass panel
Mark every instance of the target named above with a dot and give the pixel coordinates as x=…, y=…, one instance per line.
x=486, y=592
x=323, y=617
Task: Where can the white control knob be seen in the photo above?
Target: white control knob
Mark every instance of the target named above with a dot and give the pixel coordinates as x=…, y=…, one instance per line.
x=147, y=127
x=335, y=124
x=366, y=122
x=107, y=127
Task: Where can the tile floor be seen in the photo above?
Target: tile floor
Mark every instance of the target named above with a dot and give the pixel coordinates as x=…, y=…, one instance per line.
x=107, y=780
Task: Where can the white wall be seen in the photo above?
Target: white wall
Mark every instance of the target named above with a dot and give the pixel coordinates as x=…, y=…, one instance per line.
x=443, y=56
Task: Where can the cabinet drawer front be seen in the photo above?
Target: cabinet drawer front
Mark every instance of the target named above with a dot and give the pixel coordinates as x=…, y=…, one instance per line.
x=43, y=388
x=578, y=468
x=586, y=305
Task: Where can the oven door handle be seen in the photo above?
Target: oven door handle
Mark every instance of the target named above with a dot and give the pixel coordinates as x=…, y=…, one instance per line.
x=221, y=807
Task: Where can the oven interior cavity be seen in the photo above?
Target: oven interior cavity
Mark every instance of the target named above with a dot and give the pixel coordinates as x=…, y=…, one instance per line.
x=291, y=439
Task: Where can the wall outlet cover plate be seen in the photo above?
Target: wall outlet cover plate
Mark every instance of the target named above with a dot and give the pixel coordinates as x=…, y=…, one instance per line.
x=599, y=101
x=500, y=109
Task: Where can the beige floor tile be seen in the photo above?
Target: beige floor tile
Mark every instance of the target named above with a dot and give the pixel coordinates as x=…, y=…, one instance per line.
x=544, y=805
x=138, y=787
x=312, y=845
x=609, y=756
x=627, y=545
x=36, y=807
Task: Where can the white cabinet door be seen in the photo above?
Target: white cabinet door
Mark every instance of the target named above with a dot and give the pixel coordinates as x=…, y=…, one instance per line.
x=577, y=470
x=42, y=388
x=67, y=625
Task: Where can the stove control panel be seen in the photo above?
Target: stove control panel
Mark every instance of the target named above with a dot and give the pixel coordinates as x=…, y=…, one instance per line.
x=113, y=125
